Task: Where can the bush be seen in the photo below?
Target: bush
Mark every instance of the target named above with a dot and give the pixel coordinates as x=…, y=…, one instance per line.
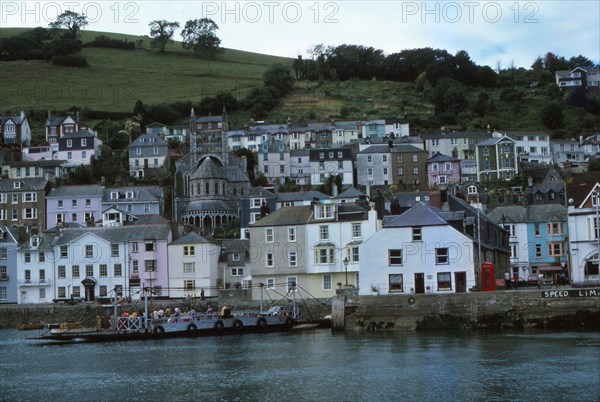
x=105, y=41
x=70, y=60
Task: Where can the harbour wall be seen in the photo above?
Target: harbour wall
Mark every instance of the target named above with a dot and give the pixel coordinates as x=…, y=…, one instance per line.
x=481, y=310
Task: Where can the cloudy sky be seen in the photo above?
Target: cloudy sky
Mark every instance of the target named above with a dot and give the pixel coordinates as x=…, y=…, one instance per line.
x=490, y=31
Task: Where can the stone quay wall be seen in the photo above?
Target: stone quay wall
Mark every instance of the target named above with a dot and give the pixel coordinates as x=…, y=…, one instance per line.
x=481, y=310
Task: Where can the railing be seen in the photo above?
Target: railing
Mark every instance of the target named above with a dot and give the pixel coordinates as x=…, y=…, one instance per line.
x=128, y=324
x=41, y=282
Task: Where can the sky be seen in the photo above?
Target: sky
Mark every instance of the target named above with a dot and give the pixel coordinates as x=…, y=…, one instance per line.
x=505, y=32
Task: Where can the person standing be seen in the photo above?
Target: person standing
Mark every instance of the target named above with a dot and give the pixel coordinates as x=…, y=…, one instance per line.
x=507, y=280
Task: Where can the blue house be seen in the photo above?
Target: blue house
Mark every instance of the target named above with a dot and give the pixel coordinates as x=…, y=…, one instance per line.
x=547, y=239
x=373, y=129
x=253, y=205
x=9, y=241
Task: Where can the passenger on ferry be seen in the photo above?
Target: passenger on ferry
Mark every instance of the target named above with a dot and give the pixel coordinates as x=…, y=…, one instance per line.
x=168, y=311
x=209, y=310
x=177, y=312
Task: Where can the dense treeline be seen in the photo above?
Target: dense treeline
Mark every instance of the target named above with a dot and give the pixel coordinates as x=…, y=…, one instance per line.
x=105, y=41
x=347, y=62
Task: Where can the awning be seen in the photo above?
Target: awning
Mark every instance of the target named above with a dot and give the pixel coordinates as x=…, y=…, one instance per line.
x=550, y=268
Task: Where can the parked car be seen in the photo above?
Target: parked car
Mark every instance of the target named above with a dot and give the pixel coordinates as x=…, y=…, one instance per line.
x=532, y=280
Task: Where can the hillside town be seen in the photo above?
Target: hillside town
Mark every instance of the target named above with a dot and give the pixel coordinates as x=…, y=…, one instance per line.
x=371, y=206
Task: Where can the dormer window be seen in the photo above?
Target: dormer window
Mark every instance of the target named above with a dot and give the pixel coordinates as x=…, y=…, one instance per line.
x=83, y=142
x=114, y=195
x=35, y=241
x=69, y=143
x=472, y=190
x=17, y=184
x=324, y=211
x=129, y=195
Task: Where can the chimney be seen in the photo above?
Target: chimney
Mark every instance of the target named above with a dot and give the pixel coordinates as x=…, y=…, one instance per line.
x=391, y=144
x=334, y=190
x=22, y=232
x=289, y=122
x=488, y=128
x=443, y=130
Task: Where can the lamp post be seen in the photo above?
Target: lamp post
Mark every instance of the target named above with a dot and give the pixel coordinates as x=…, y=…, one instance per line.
x=346, y=268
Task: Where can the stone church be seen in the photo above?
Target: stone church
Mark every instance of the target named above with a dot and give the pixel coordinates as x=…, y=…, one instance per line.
x=209, y=181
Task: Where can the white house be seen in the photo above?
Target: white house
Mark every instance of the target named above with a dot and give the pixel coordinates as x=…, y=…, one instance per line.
x=418, y=251
x=35, y=270
x=583, y=214
x=532, y=146
x=193, y=266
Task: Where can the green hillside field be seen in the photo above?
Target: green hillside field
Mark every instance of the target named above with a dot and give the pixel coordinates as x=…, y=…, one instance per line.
x=117, y=78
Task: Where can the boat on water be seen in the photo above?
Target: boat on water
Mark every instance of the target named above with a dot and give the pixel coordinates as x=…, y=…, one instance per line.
x=115, y=327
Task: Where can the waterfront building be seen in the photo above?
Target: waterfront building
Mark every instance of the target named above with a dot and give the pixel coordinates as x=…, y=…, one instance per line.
x=256, y=203
x=193, y=266
x=23, y=201
x=36, y=276
x=80, y=205
x=583, y=212
x=9, y=243
x=234, y=265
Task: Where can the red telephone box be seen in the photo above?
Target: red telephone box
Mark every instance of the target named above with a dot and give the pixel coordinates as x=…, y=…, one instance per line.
x=487, y=277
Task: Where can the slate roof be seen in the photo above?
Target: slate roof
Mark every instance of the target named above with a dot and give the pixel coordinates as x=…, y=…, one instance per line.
x=495, y=140
x=235, y=245
x=286, y=216
x=192, y=238
x=383, y=149
x=144, y=141
x=210, y=205
x=116, y=234
x=41, y=163
x=209, y=119
x=85, y=132
x=581, y=187
x=350, y=193
x=420, y=214
x=439, y=157
x=76, y=191
x=530, y=214
x=210, y=168
x=18, y=119
x=141, y=194
x=456, y=134
x=36, y=184
x=258, y=192
x=301, y=196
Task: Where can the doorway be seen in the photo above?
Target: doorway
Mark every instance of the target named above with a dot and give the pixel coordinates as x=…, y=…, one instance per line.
x=460, y=280
x=419, y=283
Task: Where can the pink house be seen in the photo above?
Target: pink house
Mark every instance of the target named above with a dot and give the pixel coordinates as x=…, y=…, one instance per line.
x=443, y=170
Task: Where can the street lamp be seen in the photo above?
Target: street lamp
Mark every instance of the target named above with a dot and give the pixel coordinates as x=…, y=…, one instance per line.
x=346, y=268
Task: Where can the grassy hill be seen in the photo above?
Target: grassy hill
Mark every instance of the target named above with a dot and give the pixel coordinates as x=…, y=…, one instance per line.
x=117, y=78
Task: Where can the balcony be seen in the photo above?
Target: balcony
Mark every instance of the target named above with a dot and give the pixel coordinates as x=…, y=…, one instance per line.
x=41, y=282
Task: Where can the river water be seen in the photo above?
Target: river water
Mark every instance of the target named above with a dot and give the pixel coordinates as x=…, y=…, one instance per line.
x=307, y=366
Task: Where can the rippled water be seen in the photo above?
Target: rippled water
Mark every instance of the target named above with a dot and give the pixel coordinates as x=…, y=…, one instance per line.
x=307, y=366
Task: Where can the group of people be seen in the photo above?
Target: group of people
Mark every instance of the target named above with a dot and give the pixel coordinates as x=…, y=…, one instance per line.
x=159, y=313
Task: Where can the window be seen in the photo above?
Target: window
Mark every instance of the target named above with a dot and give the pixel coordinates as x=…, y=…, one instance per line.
x=62, y=292
x=256, y=202
x=189, y=285
x=134, y=247
x=291, y=283
x=27, y=276
x=395, y=257
x=150, y=246
x=554, y=228
x=73, y=217
x=83, y=142
x=42, y=293
x=75, y=271
x=444, y=280
x=434, y=167
x=114, y=250
x=400, y=171
x=89, y=270
x=119, y=290
x=415, y=170
x=291, y=234
x=514, y=251
x=15, y=197
x=3, y=253
x=41, y=257
x=69, y=143
x=538, y=250
x=88, y=203
x=556, y=249
x=271, y=283
x=235, y=257
x=293, y=258
x=536, y=229
x=269, y=238
x=369, y=158
x=103, y=270
x=64, y=252
x=399, y=158
x=323, y=232
x=189, y=250
x=189, y=268
x=353, y=254
x=89, y=251
x=29, y=213
x=395, y=282
x=136, y=267
x=416, y=234
x=369, y=171
x=486, y=165
x=324, y=211
x=327, y=282
x=29, y=197
x=486, y=151
x=27, y=258
x=441, y=255
x=324, y=255
x=150, y=265
x=103, y=290
x=356, y=230
x=237, y=271
x=269, y=261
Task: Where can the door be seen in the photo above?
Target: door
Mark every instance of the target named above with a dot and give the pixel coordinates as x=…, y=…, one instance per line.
x=90, y=294
x=460, y=280
x=419, y=282
x=23, y=296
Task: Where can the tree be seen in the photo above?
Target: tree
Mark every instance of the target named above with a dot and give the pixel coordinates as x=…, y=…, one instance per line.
x=200, y=35
x=162, y=32
x=552, y=115
x=71, y=21
x=280, y=77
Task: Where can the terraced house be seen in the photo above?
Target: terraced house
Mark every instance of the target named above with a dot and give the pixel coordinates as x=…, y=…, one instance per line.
x=22, y=201
x=496, y=158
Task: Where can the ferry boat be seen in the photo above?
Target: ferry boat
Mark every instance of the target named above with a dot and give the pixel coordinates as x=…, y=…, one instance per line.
x=113, y=327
